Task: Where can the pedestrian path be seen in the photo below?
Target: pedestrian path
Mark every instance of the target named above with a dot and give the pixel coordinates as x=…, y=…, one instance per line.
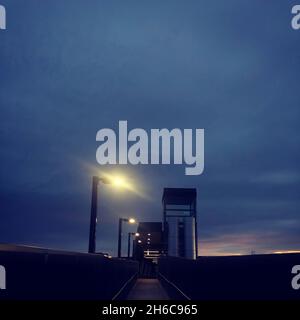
x=148, y=289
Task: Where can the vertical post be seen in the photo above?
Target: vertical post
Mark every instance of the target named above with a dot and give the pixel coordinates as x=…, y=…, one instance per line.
x=134, y=249
x=93, y=221
x=129, y=242
x=166, y=229
x=120, y=237
x=196, y=228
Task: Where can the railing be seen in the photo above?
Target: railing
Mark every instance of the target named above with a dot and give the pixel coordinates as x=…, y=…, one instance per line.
x=256, y=277
x=35, y=273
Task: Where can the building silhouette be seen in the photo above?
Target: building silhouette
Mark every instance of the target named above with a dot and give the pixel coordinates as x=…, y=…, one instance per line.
x=176, y=235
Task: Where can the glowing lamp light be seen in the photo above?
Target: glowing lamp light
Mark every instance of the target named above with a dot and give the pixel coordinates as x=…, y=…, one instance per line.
x=118, y=182
x=115, y=180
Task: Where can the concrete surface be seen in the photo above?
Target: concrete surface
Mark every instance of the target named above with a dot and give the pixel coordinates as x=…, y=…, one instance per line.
x=147, y=289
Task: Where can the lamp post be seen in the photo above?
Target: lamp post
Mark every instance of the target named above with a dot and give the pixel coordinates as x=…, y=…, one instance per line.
x=93, y=221
x=121, y=220
x=117, y=181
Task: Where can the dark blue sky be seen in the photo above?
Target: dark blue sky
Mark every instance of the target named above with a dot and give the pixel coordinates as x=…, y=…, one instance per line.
x=70, y=68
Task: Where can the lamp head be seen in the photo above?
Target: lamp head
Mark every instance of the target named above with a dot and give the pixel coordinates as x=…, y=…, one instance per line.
x=118, y=182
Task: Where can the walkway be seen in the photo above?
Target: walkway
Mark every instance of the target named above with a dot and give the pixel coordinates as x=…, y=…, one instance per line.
x=147, y=289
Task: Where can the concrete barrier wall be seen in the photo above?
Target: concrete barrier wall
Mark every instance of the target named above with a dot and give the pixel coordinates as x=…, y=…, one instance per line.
x=257, y=277
x=33, y=273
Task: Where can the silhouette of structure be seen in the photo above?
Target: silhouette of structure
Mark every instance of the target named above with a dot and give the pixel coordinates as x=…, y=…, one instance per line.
x=150, y=240
x=177, y=234
x=180, y=222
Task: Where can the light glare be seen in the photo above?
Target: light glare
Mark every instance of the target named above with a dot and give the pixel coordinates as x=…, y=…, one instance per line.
x=118, y=182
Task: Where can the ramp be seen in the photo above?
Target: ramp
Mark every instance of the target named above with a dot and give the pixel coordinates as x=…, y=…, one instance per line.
x=148, y=289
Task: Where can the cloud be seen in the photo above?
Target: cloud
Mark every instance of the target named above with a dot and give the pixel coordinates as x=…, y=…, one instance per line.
x=281, y=178
x=70, y=69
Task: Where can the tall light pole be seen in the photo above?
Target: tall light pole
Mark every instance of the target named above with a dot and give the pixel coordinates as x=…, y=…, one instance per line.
x=117, y=181
x=121, y=220
x=93, y=222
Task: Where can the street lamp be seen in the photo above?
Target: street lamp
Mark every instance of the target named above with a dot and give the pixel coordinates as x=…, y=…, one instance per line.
x=136, y=234
x=116, y=181
x=121, y=220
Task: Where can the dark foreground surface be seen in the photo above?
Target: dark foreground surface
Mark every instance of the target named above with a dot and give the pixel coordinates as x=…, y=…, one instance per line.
x=148, y=289
x=255, y=277
x=42, y=274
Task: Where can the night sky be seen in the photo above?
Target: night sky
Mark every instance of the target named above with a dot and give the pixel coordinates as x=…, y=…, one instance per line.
x=70, y=68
